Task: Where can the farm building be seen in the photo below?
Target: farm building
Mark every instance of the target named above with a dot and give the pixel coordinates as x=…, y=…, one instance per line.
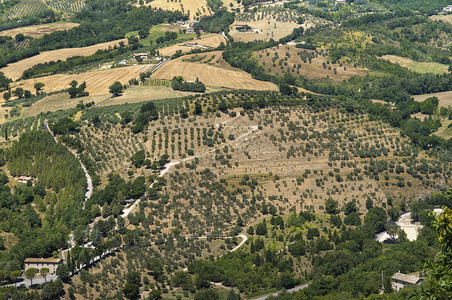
x=242, y=27
x=143, y=56
x=400, y=280
x=180, y=23
x=448, y=8
x=25, y=179
x=341, y=1
x=192, y=44
x=39, y=263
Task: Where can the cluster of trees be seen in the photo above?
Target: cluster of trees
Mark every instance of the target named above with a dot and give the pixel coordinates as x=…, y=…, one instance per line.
x=77, y=91
x=169, y=36
x=178, y=83
x=147, y=113
x=216, y=23
x=40, y=215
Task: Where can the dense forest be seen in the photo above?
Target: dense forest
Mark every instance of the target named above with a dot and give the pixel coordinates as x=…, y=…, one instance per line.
x=42, y=212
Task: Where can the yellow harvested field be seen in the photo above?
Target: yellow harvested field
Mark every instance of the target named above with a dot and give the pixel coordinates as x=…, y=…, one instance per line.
x=445, y=98
x=97, y=82
x=419, y=67
x=444, y=18
x=15, y=70
x=211, y=75
x=193, y=8
x=212, y=40
x=145, y=93
x=58, y=102
x=264, y=30
x=37, y=31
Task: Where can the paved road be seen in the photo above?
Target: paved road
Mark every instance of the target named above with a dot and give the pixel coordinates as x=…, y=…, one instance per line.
x=295, y=289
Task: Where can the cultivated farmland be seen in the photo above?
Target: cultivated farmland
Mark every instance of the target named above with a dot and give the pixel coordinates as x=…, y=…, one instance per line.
x=15, y=70
x=193, y=8
x=68, y=6
x=313, y=64
x=97, y=83
x=37, y=31
x=419, y=67
x=213, y=40
x=445, y=98
x=26, y=8
x=211, y=75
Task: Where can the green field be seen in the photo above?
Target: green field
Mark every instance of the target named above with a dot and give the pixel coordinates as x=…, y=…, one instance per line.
x=418, y=67
x=159, y=31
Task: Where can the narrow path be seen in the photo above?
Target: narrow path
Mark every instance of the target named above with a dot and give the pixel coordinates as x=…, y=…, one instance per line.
x=169, y=165
x=295, y=289
x=244, y=239
x=89, y=189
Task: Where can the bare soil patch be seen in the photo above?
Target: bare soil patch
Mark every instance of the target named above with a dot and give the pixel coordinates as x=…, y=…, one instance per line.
x=212, y=41
x=445, y=98
x=37, y=31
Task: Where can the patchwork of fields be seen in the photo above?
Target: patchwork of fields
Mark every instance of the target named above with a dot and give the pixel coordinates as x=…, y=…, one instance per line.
x=15, y=70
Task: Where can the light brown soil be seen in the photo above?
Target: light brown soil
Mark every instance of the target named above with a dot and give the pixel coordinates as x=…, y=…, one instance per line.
x=15, y=70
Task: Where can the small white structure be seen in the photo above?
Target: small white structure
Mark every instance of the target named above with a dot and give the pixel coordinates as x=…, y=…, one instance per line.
x=400, y=280
x=191, y=44
x=341, y=2
x=39, y=263
x=25, y=179
x=143, y=56
x=448, y=8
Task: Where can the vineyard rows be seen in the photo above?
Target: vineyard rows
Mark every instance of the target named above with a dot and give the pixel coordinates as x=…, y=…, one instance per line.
x=69, y=6
x=26, y=8
x=156, y=82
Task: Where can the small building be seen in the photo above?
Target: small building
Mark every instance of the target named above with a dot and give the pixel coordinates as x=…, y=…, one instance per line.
x=191, y=44
x=180, y=23
x=143, y=56
x=341, y=2
x=400, y=280
x=39, y=263
x=242, y=27
x=448, y=8
x=25, y=179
